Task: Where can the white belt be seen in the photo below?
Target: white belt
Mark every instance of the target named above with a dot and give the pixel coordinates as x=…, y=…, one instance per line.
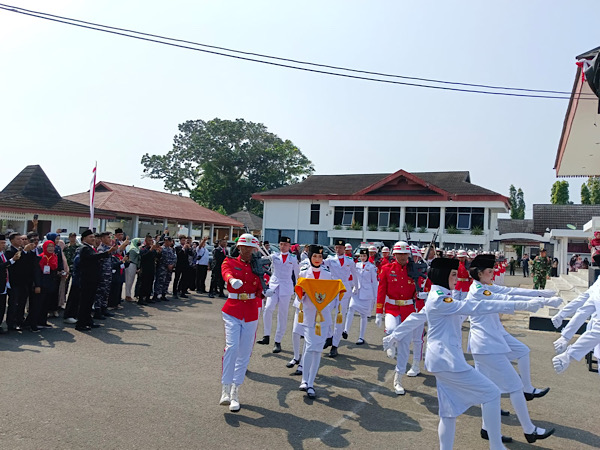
x=399, y=302
x=243, y=296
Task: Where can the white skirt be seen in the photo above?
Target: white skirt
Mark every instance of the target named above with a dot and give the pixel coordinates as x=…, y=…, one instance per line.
x=498, y=369
x=361, y=306
x=458, y=391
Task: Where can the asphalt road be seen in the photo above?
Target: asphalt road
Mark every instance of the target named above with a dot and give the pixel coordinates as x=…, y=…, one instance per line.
x=150, y=379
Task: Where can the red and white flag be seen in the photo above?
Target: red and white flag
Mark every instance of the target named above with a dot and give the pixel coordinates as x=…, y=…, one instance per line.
x=92, y=195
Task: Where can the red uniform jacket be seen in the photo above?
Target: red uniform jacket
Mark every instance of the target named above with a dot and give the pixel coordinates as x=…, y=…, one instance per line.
x=464, y=280
x=395, y=284
x=246, y=310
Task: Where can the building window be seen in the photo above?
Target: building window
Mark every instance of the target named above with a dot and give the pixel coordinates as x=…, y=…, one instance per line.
x=315, y=211
x=345, y=215
x=423, y=217
x=464, y=218
x=384, y=217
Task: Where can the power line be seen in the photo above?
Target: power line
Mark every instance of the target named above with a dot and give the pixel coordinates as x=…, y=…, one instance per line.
x=107, y=29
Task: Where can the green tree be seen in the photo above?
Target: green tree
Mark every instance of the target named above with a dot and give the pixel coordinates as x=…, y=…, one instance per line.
x=593, y=184
x=585, y=195
x=560, y=193
x=516, y=199
x=520, y=204
x=221, y=163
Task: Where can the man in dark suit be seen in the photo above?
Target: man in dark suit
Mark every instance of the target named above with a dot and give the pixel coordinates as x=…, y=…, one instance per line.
x=89, y=266
x=20, y=275
x=5, y=263
x=217, y=284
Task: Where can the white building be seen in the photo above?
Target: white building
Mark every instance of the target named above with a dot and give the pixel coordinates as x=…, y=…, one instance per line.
x=382, y=207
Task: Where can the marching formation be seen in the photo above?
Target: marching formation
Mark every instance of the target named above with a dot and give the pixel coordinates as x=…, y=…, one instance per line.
x=410, y=289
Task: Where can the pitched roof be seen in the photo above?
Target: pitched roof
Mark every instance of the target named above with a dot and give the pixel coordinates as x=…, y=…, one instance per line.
x=130, y=200
x=250, y=221
x=556, y=217
x=506, y=226
x=32, y=191
x=418, y=184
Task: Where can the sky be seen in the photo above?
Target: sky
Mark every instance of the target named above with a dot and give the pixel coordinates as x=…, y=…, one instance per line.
x=70, y=97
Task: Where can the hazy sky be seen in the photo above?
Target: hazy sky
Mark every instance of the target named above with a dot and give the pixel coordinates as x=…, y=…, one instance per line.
x=71, y=96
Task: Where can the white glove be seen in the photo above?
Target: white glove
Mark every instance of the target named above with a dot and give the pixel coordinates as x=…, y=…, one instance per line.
x=269, y=293
x=546, y=293
x=553, y=301
x=423, y=295
x=235, y=283
x=557, y=320
x=560, y=345
x=389, y=343
x=531, y=306
x=379, y=320
x=391, y=352
x=561, y=362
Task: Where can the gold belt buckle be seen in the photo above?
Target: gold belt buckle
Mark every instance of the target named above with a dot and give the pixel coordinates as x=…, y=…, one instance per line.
x=243, y=296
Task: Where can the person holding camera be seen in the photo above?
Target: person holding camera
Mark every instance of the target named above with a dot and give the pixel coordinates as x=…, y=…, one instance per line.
x=202, y=257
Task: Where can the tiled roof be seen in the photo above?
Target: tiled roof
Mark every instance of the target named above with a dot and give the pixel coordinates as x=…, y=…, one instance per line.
x=130, y=200
x=515, y=226
x=32, y=191
x=457, y=183
x=556, y=217
x=250, y=221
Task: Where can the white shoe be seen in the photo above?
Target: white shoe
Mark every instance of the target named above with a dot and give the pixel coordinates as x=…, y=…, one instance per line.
x=235, y=399
x=398, y=389
x=71, y=320
x=225, y=398
x=303, y=386
x=414, y=370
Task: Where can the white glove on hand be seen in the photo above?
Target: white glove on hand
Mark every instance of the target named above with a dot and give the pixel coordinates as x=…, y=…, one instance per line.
x=547, y=293
x=557, y=321
x=561, y=362
x=553, y=301
x=235, y=283
x=422, y=295
x=389, y=345
x=379, y=320
x=531, y=306
x=269, y=293
x=560, y=345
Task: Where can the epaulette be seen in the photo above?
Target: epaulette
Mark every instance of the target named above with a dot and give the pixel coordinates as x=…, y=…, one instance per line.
x=326, y=269
x=304, y=265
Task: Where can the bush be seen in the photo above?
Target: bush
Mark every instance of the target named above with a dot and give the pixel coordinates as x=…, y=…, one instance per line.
x=453, y=230
x=383, y=229
x=408, y=227
x=477, y=231
x=422, y=229
x=355, y=226
x=393, y=228
x=337, y=227
x=372, y=227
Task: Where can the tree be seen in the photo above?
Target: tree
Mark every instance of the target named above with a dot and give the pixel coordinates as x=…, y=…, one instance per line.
x=560, y=193
x=593, y=185
x=221, y=163
x=516, y=200
x=585, y=195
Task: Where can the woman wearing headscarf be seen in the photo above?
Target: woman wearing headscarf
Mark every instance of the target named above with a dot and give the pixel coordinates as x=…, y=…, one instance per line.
x=52, y=303
x=131, y=269
x=46, y=279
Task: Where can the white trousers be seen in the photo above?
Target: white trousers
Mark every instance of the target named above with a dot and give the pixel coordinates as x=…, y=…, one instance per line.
x=350, y=318
x=239, y=340
x=520, y=353
x=402, y=347
x=282, y=303
x=417, y=342
x=130, y=271
x=313, y=348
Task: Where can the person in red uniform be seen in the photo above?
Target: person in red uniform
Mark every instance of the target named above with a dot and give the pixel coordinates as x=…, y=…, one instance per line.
x=395, y=302
x=385, y=259
x=240, y=315
x=464, y=280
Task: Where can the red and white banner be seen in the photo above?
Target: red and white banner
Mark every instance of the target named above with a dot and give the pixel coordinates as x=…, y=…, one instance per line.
x=92, y=195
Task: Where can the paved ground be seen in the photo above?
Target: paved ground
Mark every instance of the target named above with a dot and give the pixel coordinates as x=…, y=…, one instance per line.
x=149, y=379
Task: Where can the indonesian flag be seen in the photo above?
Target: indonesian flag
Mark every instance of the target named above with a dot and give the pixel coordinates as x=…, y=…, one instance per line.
x=92, y=195
x=321, y=293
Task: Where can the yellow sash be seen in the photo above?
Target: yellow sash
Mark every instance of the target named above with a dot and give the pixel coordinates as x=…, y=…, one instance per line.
x=321, y=293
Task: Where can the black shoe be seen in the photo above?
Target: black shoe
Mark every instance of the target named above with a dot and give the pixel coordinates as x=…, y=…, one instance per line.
x=328, y=343
x=175, y=296
x=531, y=438
x=298, y=371
x=277, y=347
x=45, y=325
x=99, y=316
x=211, y=295
x=222, y=295
x=333, y=352
x=310, y=393
x=94, y=325
x=292, y=363
x=535, y=394
x=345, y=334
x=150, y=301
x=264, y=341
x=107, y=314
x=156, y=299
x=183, y=295
x=504, y=412
x=35, y=329
x=142, y=302
x=83, y=328
x=505, y=439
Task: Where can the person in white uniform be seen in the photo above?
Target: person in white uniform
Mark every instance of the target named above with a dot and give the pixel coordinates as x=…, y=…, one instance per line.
x=313, y=343
x=491, y=352
x=342, y=268
x=459, y=385
x=285, y=268
x=362, y=301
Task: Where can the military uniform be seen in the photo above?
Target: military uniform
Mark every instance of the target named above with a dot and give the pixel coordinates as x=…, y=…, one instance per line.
x=362, y=300
x=540, y=270
x=162, y=278
x=463, y=281
x=104, y=280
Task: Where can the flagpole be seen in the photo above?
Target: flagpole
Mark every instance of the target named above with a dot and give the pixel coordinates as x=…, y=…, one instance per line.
x=92, y=196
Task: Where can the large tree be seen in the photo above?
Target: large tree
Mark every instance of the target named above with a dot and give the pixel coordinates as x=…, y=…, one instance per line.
x=585, y=195
x=221, y=163
x=560, y=193
x=516, y=198
x=593, y=185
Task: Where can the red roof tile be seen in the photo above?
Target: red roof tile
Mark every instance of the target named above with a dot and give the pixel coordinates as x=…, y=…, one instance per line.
x=131, y=200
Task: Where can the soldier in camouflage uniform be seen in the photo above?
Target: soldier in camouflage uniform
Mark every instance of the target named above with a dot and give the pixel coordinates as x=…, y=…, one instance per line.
x=540, y=270
x=104, y=280
x=164, y=269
